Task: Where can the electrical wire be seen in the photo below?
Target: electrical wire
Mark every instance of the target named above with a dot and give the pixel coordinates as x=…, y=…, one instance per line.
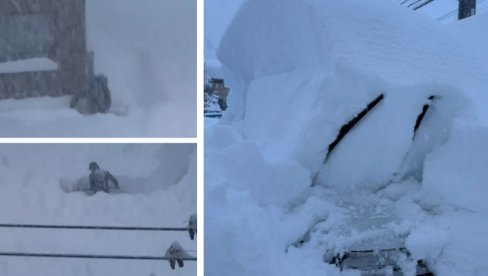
x=89, y=256
x=90, y=227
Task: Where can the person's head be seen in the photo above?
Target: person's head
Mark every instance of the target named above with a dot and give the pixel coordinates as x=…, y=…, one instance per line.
x=93, y=166
x=101, y=80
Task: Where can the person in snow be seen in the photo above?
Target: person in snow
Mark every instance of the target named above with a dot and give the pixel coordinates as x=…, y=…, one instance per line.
x=192, y=226
x=94, y=99
x=101, y=180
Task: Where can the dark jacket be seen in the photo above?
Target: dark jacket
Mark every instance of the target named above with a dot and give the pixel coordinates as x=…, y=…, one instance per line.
x=101, y=180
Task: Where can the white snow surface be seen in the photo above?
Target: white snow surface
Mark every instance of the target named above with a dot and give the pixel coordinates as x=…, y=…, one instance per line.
x=147, y=49
x=160, y=185
x=299, y=70
x=28, y=65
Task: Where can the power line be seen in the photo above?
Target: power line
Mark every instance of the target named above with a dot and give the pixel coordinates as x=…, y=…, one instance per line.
x=90, y=227
x=173, y=254
x=87, y=256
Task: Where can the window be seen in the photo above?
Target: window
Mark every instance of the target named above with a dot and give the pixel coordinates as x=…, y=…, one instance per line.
x=24, y=36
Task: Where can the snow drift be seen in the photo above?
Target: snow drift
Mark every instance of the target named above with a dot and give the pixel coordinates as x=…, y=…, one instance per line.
x=300, y=71
x=161, y=194
x=316, y=65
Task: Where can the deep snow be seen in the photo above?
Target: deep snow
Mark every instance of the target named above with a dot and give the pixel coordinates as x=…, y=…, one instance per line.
x=147, y=49
x=298, y=72
x=160, y=185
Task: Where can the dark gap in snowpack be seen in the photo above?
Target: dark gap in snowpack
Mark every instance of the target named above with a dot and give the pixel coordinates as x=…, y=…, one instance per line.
x=347, y=127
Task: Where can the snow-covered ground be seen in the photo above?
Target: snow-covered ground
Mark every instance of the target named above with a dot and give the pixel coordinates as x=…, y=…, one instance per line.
x=147, y=49
x=160, y=191
x=298, y=72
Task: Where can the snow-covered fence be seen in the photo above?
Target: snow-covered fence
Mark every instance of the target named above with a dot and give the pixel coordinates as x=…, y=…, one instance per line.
x=54, y=30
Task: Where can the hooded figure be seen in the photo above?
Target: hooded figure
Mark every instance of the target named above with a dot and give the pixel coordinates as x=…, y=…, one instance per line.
x=95, y=98
x=101, y=180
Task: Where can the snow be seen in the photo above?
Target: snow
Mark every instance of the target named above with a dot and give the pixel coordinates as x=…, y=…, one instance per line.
x=147, y=51
x=28, y=65
x=218, y=14
x=163, y=194
x=465, y=149
x=301, y=70
x=50, y=117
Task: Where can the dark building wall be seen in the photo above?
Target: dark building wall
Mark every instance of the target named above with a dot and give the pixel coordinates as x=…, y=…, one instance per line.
x=67, y=26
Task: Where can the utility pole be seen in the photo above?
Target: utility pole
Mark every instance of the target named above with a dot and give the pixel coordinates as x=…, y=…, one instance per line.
x=467, y=8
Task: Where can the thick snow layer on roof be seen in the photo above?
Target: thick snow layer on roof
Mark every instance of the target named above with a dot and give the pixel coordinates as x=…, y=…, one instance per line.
x=379, y=38
x=472, y=31
x=218, y=14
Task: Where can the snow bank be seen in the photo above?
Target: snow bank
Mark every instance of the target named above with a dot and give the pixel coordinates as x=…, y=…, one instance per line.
x=300, y=71
x=218, y=15
x=30, y=193
x=268, y=182
x=28, y=65
x=325, y=62
x=457, y=171
x=374, y=37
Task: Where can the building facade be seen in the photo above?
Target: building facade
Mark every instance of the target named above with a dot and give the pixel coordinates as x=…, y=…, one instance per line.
x=54, y=29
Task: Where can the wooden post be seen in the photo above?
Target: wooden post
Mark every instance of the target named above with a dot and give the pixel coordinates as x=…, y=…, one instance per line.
x=467, y=8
